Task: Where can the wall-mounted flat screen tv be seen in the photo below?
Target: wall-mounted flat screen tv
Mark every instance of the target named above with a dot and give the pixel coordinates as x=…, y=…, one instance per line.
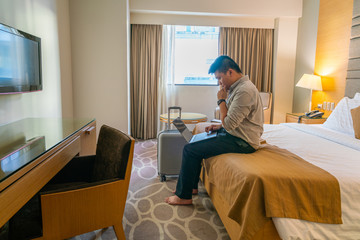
x=20, y=61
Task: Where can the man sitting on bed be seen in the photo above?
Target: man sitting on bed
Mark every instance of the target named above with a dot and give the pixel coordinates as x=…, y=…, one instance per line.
x=242, y=119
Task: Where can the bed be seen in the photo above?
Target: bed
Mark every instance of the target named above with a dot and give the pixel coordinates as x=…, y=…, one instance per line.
x=331, y=147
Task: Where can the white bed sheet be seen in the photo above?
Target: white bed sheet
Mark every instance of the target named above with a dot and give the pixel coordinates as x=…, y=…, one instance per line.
x=328, y=150
x=329, y=134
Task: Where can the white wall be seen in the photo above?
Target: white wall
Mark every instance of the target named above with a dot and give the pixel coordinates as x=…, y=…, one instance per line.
x=99, y=43
x=63, y=16
x=285, y=38
x=305, y=53
x=37, y=17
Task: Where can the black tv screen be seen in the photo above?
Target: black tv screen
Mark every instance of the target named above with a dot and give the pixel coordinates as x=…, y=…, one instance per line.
x=20, y=61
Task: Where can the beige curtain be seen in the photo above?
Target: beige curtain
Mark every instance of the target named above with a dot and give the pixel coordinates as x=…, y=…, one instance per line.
x=144, y=78
x=168, y=94
x=252, y=49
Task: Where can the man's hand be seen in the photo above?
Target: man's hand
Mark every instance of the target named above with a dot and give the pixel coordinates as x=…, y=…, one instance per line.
x=222, y=93
x=212, y=127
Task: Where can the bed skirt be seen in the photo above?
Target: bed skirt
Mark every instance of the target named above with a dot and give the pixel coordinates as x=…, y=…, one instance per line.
x=268, y=232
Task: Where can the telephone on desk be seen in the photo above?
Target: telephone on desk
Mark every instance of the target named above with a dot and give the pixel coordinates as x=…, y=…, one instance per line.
x=314, y=114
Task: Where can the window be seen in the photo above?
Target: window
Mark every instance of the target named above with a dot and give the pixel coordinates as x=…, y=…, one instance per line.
x=196, y=48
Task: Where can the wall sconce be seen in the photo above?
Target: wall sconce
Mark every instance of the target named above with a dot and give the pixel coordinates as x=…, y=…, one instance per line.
x=311, y=82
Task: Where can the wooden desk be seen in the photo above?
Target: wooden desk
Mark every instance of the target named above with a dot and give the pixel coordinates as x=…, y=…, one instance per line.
x=32, y=151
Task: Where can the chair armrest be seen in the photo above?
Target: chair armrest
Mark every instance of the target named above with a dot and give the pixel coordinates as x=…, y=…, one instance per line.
x=79, y=169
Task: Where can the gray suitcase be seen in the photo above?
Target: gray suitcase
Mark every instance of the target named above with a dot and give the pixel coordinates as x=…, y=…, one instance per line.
x=169, y=150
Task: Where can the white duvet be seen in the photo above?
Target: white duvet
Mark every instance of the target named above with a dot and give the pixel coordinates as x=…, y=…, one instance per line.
x=337, y=153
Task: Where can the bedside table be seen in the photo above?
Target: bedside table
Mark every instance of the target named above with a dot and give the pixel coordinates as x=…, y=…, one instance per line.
x=293, y=117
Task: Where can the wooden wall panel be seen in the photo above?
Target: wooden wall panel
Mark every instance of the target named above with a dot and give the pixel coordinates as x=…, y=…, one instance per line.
x=332, y=49
x=353, y=71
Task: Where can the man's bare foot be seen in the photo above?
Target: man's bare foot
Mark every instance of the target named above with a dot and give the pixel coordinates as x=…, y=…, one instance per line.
x=194, y=191
x=175, y=200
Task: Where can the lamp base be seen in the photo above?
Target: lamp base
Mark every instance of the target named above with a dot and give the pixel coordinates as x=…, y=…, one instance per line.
x=310, y=100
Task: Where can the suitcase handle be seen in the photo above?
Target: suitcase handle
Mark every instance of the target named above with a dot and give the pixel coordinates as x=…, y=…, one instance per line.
x=173, y=108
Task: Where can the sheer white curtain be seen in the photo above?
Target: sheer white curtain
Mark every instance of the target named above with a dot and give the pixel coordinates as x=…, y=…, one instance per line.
x=167, y=91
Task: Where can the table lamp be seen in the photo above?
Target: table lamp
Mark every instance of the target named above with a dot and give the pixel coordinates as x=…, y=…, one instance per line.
x=311, y=82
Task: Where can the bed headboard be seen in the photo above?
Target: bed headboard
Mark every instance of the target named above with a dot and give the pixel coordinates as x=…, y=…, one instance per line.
x=353, y=72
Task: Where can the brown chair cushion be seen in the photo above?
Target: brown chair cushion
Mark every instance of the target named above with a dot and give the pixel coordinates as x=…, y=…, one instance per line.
x=112, y=154
x=355, y=114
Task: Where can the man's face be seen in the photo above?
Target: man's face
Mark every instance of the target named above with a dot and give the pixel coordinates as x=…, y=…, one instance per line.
x=223, y=79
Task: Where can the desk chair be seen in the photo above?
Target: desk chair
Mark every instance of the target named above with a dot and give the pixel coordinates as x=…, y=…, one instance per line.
x=91, y=191
x=266, y=99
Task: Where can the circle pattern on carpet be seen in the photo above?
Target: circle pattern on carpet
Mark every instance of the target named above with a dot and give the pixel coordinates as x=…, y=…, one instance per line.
x=147, y=216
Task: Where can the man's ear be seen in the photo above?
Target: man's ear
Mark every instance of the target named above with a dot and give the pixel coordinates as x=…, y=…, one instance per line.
x=231, y=71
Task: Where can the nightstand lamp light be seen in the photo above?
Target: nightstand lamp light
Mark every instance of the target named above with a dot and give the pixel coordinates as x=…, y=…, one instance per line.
x=311, y=82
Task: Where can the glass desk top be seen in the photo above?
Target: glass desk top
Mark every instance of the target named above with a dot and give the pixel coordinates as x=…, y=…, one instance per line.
x=23, y=141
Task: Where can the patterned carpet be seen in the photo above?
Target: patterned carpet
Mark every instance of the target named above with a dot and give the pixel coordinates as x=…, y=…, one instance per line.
x=148, y=217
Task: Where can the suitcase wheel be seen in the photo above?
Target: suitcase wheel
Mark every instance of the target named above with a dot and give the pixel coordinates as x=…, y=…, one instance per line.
x=162, y=178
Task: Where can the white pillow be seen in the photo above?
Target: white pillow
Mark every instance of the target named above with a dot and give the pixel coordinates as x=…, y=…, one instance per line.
x=340, y=119
x=357, y=96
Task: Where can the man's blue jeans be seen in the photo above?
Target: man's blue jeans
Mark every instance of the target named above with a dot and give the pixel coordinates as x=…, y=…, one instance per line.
x=194, y=153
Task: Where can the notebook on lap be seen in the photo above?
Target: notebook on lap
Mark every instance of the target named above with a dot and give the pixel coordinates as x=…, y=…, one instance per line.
x=189, y=137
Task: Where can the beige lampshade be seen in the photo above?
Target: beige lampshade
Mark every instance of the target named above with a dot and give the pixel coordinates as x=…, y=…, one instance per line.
x=310, y=81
